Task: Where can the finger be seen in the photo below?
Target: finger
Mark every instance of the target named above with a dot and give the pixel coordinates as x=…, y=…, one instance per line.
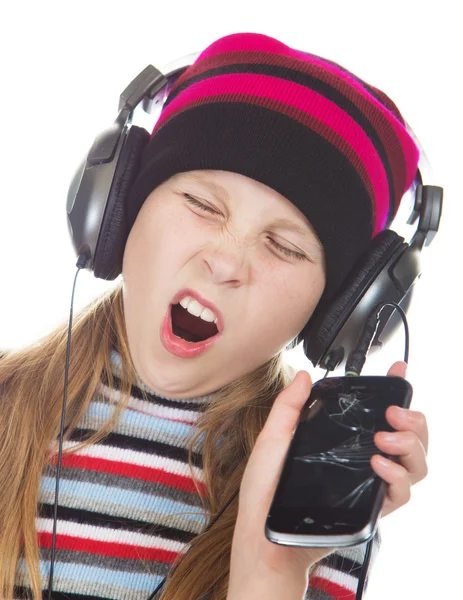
x=399, y=488
x=407, y=446
x=404, y=419
x=398, y=369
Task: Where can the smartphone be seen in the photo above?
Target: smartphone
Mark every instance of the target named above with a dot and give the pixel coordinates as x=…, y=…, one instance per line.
x=328, y=494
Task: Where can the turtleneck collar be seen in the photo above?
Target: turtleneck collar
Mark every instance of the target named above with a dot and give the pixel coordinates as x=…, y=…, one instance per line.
x=115, y=359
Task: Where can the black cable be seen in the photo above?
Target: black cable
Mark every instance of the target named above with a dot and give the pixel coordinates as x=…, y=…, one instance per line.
x=363, y=574
x=354, y=365
x=81, y=262
x=357, y=357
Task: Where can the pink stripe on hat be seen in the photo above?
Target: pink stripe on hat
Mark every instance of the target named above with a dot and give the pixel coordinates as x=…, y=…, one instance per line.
x=305, y=100
x=244, y=42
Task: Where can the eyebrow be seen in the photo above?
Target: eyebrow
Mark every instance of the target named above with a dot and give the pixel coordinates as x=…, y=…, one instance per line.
x=282, y=222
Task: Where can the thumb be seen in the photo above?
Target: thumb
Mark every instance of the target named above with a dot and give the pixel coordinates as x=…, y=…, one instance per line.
x=286, y=409
x=251, y=550
x=264, y=466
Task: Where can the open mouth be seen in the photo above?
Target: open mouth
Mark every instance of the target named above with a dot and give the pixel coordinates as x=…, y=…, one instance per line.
x=189, y=327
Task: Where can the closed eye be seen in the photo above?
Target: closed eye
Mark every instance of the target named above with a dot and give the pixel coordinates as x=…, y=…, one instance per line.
x=280, y=248
x=193, y=200
x=287, y=251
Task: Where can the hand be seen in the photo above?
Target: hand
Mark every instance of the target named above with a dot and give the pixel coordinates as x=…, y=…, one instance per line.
x=410, y=444
x=252, y=552
x=253, y=555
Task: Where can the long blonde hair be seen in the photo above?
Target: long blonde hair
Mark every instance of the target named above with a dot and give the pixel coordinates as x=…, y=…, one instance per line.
x=31, y=393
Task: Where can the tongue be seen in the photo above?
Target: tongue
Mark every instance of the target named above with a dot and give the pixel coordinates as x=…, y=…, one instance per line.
x=189, y=327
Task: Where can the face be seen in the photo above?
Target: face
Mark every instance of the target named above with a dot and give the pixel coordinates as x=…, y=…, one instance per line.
x=241, y=246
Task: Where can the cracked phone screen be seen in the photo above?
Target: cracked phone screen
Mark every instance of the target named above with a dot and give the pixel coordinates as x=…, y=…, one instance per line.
x=328, y=462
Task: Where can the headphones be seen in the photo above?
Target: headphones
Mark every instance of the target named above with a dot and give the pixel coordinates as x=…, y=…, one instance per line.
x=97, y=225
x=386, y=272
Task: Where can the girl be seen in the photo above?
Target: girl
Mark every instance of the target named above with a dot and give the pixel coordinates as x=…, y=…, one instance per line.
x=265, y=179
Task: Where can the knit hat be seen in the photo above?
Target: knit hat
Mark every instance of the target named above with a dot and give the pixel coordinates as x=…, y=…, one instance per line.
x=333, y=145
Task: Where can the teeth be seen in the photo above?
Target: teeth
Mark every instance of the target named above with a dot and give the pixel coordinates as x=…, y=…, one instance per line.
x=198, y=310
x=208, y=315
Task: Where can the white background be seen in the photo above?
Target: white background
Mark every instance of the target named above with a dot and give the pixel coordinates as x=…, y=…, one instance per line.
x=63, y=66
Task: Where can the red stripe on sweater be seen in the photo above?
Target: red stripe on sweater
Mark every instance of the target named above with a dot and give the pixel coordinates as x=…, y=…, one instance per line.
x=114, y=467
x=89, y=546
x=337, y=591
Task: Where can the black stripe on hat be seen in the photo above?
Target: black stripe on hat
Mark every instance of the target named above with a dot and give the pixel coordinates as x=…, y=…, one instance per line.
x=318, y=86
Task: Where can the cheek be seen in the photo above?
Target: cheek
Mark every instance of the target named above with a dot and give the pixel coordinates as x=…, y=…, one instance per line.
x=177, y=228
x=286, y=302
x=159, y=236
x=303, y=295
x=295, y=290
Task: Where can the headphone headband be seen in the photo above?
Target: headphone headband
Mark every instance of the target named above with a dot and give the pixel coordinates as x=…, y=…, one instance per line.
x=96, y=208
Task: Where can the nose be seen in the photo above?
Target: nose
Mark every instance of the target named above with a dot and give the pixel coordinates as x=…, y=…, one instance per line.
x=226, y=264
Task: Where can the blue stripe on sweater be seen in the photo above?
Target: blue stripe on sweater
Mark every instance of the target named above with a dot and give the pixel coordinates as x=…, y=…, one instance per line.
x=86, y=492
x=98, y=410
x=85, y=573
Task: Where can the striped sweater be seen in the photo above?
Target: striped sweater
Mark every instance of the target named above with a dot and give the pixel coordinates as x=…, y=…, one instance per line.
x=128, y=505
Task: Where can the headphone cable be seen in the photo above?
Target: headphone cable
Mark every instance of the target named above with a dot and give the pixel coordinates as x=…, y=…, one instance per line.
x=354, y=365
x=80, y=264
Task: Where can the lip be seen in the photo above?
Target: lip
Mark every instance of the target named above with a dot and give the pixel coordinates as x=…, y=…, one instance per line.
x=189, y=292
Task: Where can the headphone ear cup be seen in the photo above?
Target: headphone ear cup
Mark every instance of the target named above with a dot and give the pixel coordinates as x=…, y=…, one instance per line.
x=114, y=232
x=325, y=323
